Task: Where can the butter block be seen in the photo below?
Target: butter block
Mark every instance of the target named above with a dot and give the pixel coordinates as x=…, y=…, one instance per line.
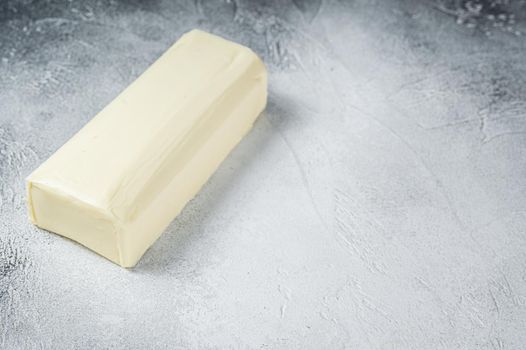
x=117, y=183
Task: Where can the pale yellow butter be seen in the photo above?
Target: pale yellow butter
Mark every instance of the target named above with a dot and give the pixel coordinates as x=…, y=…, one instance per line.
x=117, y=184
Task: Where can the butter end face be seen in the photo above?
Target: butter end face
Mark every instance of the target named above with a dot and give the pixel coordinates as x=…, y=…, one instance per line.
x=71, y=218
x=30, y=210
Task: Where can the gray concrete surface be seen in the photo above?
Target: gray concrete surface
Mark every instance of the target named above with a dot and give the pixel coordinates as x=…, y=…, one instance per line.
x=379, y=203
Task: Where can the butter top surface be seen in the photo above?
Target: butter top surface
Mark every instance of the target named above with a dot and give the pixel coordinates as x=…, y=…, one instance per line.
x=115, y=167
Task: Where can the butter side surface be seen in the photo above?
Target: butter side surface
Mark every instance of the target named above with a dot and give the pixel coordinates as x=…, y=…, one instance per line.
x=117, y=183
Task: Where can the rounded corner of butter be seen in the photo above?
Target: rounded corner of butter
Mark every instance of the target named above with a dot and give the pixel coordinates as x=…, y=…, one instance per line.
x=259, y=61
x=192, y=33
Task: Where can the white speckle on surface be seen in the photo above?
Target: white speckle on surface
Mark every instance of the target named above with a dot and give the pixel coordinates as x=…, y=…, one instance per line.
x=378, y=203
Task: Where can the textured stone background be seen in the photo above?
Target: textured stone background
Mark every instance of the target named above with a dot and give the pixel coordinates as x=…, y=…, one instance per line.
x=379, y=203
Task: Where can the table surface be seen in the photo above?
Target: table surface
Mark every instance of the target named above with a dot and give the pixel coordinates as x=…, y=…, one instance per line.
x=378, y=203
